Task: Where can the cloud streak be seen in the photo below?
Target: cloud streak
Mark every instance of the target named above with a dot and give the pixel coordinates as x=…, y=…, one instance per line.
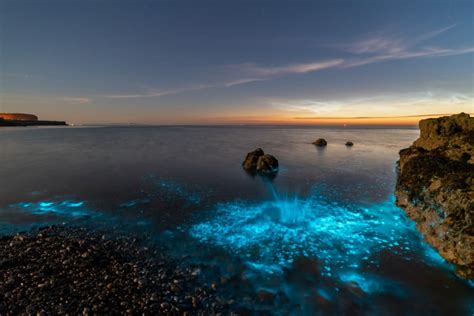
x=381, y=48
x=159, y=93
x=16, y=75
x=375, y=49
x=79, y=100
x=299, y=68
x=409, y=103
x=372, y=117
x=384, y=48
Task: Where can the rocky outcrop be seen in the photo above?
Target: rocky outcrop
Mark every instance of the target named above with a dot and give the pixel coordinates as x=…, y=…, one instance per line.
x=435, y=187
x=259, y=162
x=18, y=117
x=22, y=119
x=12, y=123
x=320, y=142
x=267, y=163
x=250, y=162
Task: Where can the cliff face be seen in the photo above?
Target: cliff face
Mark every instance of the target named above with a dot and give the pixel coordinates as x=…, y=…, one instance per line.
x=21, y=119
x=18, y=117
x=435, y=187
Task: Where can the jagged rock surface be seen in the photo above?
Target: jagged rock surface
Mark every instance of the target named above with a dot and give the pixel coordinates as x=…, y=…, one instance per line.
x=259, y=162
x=435, y=187
x=267, y=163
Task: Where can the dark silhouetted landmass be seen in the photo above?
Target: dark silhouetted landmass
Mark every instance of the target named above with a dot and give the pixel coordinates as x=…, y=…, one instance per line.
x=23, y=119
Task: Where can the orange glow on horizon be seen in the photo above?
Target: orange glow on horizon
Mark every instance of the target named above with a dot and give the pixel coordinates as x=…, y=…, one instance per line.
x=331, y=121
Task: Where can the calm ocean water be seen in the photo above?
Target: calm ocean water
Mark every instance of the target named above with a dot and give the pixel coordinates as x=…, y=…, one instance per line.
x=325, y=231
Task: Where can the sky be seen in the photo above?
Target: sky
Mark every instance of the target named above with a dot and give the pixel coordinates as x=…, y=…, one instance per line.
x=237, y=62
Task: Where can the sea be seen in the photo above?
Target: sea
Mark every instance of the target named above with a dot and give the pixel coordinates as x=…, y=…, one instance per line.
x=324, y=236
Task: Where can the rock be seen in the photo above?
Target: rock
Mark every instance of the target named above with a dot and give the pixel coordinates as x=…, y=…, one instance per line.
x=259, y=162
x=118, y=276
x=250, y=162
x=435, y=187
x=321, y=142
x=265, y=297
x=349, y=144
x=267, y=164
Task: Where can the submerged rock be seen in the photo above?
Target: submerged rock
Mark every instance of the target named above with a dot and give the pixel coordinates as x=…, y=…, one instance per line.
x=321, y=142
x=435, y=186
x=349, y=144
x=259, y=162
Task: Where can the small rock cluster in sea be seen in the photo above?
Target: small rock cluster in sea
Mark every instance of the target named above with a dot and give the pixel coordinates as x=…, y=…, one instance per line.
x=259, y=162
x=321, y=142
x=435, y=186
x=59, y=270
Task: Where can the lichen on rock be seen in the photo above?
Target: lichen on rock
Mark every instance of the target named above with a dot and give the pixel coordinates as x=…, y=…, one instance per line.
x=435, y=187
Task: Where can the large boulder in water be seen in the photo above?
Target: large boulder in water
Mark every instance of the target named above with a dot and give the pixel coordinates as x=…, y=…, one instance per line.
x=320, y=142
x=250, y=162
x=259, y=162
x=435, y=186
x=267, y=164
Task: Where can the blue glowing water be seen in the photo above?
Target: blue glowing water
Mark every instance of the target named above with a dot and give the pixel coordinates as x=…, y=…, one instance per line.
x=340, y=235
x=324, y=234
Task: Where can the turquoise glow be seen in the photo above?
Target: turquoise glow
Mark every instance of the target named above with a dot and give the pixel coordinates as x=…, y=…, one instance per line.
x=370, y=283
x=66, y=208
x=167, y=190
x=321, y=246
x=341, y=235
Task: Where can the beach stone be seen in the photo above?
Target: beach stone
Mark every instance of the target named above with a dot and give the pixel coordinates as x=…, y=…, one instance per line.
x=45, y=281
x=435, y=187
x=265, y=297
x=320, y=142
x=349, y=144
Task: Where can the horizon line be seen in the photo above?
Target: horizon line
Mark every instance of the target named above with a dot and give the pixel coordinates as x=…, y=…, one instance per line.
x=372, y=117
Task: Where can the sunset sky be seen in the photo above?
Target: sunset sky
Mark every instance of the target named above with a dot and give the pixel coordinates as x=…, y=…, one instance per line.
x=234, y=62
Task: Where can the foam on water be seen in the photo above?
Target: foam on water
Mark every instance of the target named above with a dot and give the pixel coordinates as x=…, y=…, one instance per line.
x=341, y=235
x=69, y=208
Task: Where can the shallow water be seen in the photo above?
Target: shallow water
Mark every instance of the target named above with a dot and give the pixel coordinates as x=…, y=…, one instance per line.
x=325, y=232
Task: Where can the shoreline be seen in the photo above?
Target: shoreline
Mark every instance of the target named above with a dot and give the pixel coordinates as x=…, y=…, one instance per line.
x=60, y=270
x=21, y=123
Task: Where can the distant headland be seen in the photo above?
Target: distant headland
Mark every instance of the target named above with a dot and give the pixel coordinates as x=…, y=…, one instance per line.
x=23, y=119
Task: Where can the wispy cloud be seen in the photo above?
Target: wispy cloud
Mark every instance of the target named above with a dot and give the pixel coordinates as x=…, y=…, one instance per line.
x=151, y=93
x=131, y=96
x=242, y=81
x=307, y=105
x=407, y=103
x=424, y=52
x=297, y=68
x=388, y=44
x=15, y=75
x=386, y=47
x=379, y=48
x=79, y=100
x=372, y=117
